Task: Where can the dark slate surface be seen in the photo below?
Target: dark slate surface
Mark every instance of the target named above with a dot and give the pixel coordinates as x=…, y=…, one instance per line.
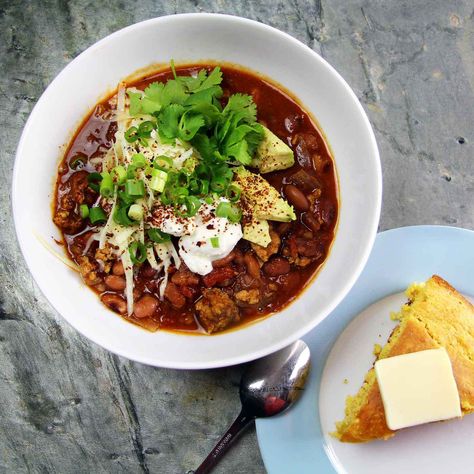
x=69, y=406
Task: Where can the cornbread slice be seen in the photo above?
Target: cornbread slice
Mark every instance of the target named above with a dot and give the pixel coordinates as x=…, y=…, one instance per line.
x=436, y=315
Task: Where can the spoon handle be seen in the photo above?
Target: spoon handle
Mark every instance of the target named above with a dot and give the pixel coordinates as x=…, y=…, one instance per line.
x=240, y=423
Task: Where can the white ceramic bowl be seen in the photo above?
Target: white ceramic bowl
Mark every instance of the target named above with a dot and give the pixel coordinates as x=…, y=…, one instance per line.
x=193, y=37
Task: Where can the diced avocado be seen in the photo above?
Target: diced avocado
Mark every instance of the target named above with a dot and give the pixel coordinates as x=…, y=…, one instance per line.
x=258, y=232
x=265, y=199
x=272, y=154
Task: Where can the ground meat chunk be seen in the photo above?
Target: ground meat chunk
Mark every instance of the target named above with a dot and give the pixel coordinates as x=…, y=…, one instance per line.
x=78, y=182
x=88, y=270
x=216, y=311
x=248, y=296
x=106, y=256
x=68, y=221
x=264, y=253
x=302, y=251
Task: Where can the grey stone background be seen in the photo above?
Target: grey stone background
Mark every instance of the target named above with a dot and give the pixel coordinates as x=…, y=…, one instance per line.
x=68, y=406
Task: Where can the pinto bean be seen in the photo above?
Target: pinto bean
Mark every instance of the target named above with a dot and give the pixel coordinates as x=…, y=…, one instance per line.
x=296, y=197
x=145, y=306
x=218, y=275
x=115, y=282
x=117, y=269
x=253, y=268
x=276, y=266
x=114, y=302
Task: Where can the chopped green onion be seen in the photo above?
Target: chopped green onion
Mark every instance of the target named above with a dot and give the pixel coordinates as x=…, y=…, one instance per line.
x=94, y=179
x=204, y=187
x=235, y=214
x=158, y=180
x=157, y=236
x=77, y=162
x=139, y=160
x=203, y=170
x=131, y=171
x=180, y=193
x=131, y=135
x=215, y=242
x=135, y=188
x=182, y=179
x=231, y=212
x=135, y=212
x=121, y=216
x=218, y=184
x=97, y=215
x=84, y=211
x=194, y=185
x=163, y=162
x=164, y=198
x=223, y=209
x=145, y=129
x=119, y=174
x=208, y=200
x=192, y=204
x=106, y=188
x=137, y=252
x=233, y=193
x=125, y=198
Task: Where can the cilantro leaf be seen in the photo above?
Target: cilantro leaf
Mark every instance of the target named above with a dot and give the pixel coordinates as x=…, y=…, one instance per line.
x=152, y=101
x=254, y=137
x=209, y=112
x=135, y=102
x=173, y=93
x=193, y=83
x=189, y=125
x=242, y=105
x=204, y=96
x=206, y=146
x=168, y=120
x=239, y=151
x=214, y=79
x=154, y=91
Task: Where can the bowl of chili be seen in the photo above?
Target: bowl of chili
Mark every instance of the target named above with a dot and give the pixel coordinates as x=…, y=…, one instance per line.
x=334, y=187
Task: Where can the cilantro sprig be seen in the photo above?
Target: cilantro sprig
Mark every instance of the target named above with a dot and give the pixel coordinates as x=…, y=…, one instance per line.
x=189, y=108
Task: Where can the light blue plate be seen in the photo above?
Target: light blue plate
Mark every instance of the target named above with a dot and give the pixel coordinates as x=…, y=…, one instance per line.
x=293, y=442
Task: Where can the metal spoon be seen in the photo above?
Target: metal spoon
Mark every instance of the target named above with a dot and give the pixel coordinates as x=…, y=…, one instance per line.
x=268, y=387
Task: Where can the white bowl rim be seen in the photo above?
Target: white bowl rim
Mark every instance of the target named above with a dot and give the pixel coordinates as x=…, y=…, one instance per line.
x=341, y=293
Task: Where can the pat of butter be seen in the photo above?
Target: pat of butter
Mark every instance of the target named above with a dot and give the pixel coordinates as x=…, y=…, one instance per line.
x=417, y=388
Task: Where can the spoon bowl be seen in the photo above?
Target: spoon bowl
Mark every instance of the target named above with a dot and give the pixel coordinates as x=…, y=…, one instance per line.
x=268, y=387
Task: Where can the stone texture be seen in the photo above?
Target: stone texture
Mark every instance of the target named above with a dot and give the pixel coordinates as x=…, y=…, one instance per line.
x=69, y=406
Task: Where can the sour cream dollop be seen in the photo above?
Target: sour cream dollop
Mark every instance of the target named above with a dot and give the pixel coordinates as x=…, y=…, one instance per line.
x=196, y=249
